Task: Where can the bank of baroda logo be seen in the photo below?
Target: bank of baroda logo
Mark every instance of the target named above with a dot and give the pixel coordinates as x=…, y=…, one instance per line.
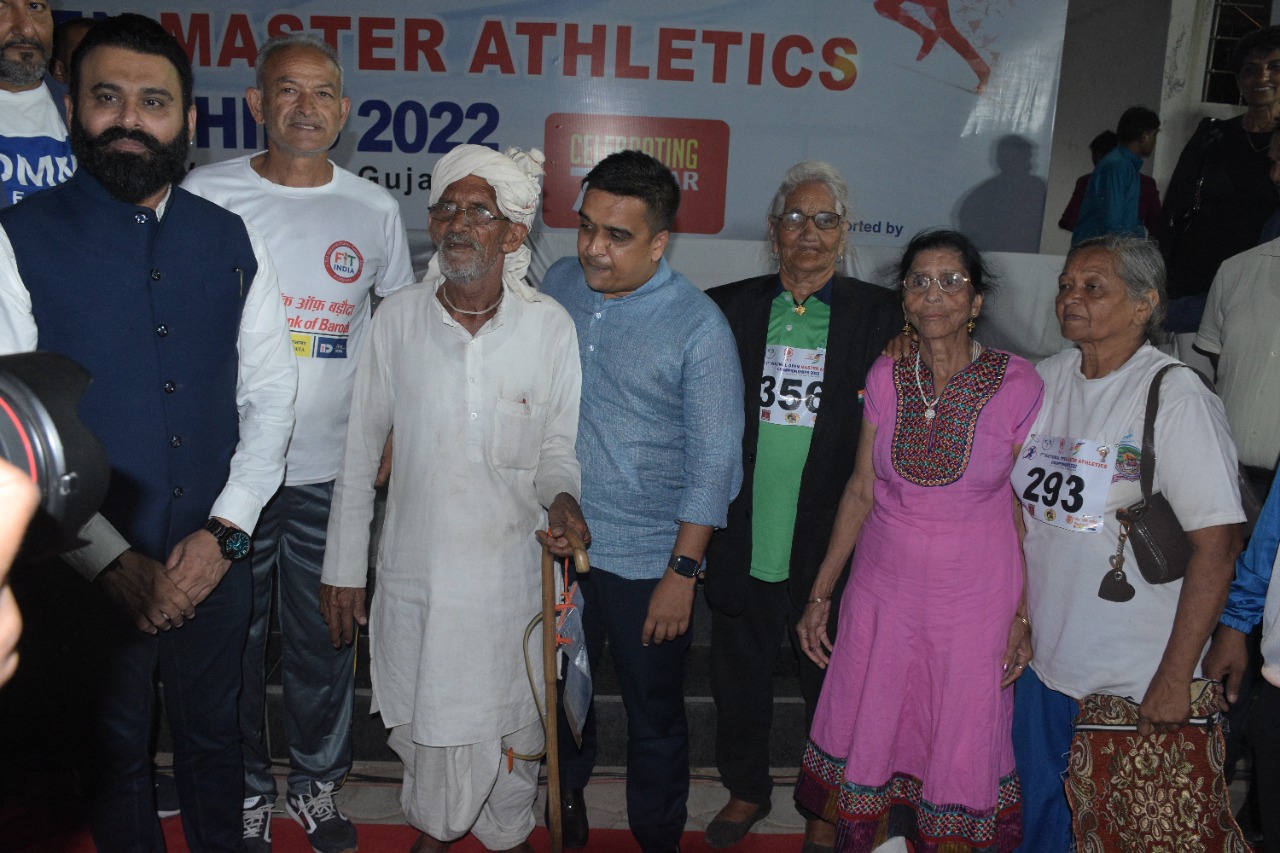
x=343, y=261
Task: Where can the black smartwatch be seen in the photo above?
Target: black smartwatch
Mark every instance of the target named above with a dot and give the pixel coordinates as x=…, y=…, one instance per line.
x=686, y=567
x=233, y=542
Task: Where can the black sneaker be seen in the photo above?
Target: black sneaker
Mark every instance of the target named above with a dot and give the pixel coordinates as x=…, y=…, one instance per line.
x=257, y=824
x=328, y=829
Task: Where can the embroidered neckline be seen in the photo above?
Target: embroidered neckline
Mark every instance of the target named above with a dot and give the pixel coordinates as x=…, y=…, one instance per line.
x=936, y=451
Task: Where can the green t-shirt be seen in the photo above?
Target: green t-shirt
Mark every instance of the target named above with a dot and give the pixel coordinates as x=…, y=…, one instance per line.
x=790, y=392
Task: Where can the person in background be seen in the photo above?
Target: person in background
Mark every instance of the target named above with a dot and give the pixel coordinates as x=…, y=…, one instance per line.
x=1255, y=600
x=33, y=123
x=1219, y=196
x=1112, y=201
x=66, y=38
x=1148, y=195
x=806, y=336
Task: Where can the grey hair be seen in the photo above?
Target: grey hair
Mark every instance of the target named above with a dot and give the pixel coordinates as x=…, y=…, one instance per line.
x=307, y=40
x=812, y=171
x=1141, y=268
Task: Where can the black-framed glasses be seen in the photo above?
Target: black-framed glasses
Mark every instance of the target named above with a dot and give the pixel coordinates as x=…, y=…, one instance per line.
x=447, y=211
x=794, y=220
x=948, y=282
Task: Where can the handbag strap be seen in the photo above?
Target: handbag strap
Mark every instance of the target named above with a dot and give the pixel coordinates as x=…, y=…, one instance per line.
x=1147, y=467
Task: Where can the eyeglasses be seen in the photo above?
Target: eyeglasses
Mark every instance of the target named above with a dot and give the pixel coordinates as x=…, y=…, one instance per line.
x=447, y=211
x=1249, y=69
x=794, y=220
x=948, y=282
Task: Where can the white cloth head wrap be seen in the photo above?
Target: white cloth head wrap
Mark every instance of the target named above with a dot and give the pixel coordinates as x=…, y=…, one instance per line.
x=514, y=178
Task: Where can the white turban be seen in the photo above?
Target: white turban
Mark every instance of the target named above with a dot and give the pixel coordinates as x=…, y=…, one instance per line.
x=514, y=178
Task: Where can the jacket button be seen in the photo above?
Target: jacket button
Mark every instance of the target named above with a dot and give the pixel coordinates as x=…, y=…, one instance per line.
x=177, y=491
x=170, y=387
x=155, y=275
x=162, y=330
x=175, y=441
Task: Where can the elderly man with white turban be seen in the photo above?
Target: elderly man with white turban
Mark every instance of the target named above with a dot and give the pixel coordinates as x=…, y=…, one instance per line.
x=479, y=376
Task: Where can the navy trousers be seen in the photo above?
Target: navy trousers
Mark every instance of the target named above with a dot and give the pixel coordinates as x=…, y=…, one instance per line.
x=651, y=680
x=199, y=670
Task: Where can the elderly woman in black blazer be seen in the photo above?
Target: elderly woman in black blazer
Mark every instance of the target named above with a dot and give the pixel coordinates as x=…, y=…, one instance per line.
x=807, y=336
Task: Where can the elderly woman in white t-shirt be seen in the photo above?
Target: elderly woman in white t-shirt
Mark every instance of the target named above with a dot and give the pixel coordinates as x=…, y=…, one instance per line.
x=1102, y=633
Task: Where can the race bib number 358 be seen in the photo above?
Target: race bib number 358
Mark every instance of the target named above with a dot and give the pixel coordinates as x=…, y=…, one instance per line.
x=1064, y=481
x=791, y=385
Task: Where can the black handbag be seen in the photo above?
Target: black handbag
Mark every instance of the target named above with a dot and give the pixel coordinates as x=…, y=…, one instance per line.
x=1159, y=543
x=1184, y=195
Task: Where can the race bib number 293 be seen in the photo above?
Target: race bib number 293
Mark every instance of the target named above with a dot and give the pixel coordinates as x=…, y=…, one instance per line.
x=1064, y=481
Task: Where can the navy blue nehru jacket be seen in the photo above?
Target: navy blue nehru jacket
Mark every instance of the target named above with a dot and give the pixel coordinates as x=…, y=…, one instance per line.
x=152, y=308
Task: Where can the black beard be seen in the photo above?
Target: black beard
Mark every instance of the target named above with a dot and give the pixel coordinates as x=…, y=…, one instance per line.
x=127, y=176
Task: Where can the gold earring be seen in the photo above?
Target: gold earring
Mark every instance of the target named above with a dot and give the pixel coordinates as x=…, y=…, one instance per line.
x=906, y=326
x=972, y=324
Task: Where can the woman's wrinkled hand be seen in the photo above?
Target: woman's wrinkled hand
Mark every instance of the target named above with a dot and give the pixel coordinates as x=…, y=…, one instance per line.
x=812, y=631
x=900, y=346
x=1017, y=652
x=1166, y=705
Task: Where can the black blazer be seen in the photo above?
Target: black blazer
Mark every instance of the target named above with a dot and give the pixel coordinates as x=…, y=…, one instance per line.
x=864, y=318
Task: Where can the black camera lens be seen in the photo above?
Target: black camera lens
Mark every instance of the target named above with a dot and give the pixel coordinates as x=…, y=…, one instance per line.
x=41, y=433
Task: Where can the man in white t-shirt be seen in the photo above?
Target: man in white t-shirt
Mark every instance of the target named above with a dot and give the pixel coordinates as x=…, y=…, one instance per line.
x=336, y=239
x=35, y=152
x=1240, y=332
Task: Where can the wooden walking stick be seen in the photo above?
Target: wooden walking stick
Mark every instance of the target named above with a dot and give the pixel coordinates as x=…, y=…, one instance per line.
x=549, y=675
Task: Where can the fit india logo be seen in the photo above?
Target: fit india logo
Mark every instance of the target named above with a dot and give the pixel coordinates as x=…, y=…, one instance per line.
x=343, y=262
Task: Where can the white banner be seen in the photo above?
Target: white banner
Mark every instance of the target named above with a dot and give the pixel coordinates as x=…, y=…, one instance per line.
x=727, y=94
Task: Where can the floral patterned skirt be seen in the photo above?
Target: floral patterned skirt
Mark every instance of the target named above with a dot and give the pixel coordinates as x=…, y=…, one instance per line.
x=1163, y=792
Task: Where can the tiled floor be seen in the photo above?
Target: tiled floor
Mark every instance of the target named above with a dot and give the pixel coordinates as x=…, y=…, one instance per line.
x=372, y=795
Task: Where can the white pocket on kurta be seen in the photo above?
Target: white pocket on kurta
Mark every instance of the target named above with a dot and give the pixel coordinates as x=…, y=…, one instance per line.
x=517, y=433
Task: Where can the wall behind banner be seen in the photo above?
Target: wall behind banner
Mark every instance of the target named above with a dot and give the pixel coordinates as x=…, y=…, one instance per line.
x=727, y=94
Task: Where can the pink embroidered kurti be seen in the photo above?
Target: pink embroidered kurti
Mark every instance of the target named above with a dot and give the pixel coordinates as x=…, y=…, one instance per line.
x=912, y=731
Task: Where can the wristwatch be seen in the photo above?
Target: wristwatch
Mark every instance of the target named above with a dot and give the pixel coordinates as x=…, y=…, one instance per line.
x=234, y=543
x=685, y=566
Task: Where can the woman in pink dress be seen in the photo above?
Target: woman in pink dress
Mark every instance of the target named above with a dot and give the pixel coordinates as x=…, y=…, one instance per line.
x=912, y=732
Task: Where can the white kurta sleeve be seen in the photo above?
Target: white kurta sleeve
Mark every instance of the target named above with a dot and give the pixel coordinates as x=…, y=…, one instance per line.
x=346, y=556
x=558, y=469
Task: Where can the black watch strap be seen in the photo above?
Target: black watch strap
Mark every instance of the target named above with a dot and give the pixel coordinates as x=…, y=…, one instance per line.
x=685, y=566
x=233, y=542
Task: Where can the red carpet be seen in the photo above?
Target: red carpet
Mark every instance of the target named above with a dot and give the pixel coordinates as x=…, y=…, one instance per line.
x=288, y=837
